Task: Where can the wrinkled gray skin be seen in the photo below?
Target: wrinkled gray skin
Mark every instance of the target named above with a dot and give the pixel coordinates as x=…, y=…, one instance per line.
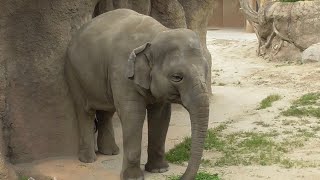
x=128, y=63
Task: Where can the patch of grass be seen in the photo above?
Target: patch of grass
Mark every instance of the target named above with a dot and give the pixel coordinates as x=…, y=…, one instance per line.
x=23, y=178
x=245, y=148
x=302, y=111
x=267, y=102
x=287, y=163
x=206, y=162
x=287, y=122
x=297, y=140
x=308, y=99
x=237, y=148
x=221, y=84
x=294, y=111
x=220, y=127
x=200, y=176
x=305, y=133
x=214, y=142
x=316, y=128
x=256, y=141
x=287, y=132
x=180, y=153
x=261, y=123
x=291, y=143
x=304, y=122
x=306, y=105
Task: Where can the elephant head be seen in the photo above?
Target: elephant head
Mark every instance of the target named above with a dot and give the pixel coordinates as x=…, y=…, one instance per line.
x=173, y=68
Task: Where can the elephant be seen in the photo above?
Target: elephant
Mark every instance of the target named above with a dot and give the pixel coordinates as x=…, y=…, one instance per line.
x=125, y=62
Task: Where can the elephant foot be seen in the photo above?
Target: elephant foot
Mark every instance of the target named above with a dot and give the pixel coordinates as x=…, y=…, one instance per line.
x=157, y=167
x=87, y=157
x=109, y=150
x=132, y=173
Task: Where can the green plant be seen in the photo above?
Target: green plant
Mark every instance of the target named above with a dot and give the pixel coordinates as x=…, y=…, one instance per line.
x=307, y=99
x=306, y=105
x=246, y=148
x=267, y=102
x=261, y=123
x=23, y=178
x=180, y=153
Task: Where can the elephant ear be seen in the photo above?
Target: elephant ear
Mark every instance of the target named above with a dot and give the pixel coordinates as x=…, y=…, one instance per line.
x=138, y=67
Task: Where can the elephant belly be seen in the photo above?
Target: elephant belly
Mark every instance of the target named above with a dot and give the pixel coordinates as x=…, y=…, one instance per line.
x=98, y=96
x=100, y=105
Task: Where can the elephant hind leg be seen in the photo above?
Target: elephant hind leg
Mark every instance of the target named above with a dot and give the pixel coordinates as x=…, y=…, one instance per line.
x=85, y=118
x=86, y=131
x=106, y=141
x=158, y=123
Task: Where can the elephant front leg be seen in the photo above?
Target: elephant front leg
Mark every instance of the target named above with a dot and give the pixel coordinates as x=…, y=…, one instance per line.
x=158, y=123
x=132, y=115
x=106, y=141
x=86, y=134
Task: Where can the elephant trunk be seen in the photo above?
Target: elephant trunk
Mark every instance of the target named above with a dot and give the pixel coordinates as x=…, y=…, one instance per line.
x=198, y=108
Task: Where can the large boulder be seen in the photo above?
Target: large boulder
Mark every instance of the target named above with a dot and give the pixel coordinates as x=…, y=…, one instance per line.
x=283, y=27
x=311, y=54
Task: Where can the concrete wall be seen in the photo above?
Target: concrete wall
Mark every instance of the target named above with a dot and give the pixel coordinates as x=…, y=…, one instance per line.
x=226, y=13
x=232, y=16
x=216, y=19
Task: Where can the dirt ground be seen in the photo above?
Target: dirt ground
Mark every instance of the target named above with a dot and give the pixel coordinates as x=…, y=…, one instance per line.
x=240, y=81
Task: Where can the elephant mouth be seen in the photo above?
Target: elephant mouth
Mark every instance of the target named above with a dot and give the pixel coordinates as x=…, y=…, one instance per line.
x=175, y=98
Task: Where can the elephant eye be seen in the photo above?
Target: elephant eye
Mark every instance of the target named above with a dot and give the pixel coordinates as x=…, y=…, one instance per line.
x=176, y=77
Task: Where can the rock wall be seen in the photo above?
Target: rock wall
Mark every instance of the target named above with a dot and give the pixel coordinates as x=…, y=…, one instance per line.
x=285, y=30
x=4, y=171
x=39, y=119
x=232, y=16
x=37, y=115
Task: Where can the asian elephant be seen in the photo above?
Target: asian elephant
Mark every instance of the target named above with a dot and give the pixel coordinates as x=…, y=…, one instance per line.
x=126, y=62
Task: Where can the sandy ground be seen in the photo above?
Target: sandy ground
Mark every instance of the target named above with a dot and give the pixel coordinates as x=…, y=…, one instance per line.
x=240, y=81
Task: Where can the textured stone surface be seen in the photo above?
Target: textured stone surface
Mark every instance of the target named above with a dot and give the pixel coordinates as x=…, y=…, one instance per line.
x=6, y=170
x=40, y=119
x=299, y=21
x=312, y=53
x=169, y=12
x=4, y=173
x=197, y=16
x=285, y=27
x=141, y=6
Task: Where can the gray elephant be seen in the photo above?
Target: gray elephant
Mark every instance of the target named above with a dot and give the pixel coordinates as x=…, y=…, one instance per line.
x=129, y=63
